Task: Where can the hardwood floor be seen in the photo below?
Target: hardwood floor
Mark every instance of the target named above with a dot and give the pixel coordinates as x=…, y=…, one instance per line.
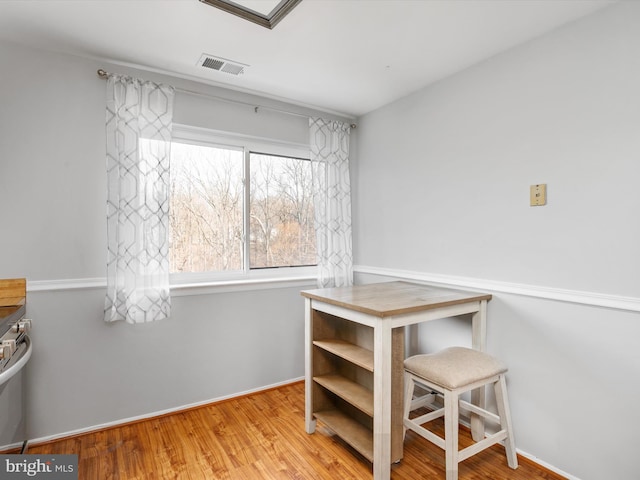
x=259, y=436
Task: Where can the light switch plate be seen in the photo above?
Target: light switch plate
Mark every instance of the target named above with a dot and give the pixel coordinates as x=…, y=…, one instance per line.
x=538, y=194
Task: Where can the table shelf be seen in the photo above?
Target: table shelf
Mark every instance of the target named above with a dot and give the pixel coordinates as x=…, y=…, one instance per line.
x=342, y=370
x=354, y=433
x=352, y=392
x=350, y=352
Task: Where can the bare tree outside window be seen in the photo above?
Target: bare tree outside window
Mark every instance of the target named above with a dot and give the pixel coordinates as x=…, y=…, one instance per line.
x=207, y=210
x=281, y=209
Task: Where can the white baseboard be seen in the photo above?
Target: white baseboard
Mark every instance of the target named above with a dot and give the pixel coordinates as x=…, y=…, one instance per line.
x=617, y=302
x=551, y=468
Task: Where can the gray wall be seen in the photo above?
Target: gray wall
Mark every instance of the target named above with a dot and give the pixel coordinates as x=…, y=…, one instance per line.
x=442, y=188
x=85, y=372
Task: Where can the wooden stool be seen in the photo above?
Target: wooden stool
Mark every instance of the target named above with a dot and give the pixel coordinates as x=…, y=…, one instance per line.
x=452, y=372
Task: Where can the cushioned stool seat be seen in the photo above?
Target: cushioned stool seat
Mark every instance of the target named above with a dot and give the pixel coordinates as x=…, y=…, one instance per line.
x=450, y=373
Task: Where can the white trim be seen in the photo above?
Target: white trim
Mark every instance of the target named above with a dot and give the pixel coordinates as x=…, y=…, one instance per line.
x=618, y=302
x=159, y=413
x=66, y=284
x=183, y=289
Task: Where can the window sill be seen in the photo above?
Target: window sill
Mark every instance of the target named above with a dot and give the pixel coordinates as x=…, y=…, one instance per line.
x=203, y=285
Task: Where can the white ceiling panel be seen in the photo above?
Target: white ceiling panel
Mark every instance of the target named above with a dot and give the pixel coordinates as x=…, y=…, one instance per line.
x=343, y=56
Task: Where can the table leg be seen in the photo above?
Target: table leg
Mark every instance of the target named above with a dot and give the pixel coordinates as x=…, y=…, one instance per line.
x=309, y=421
x=382, y=355
x=479, y=341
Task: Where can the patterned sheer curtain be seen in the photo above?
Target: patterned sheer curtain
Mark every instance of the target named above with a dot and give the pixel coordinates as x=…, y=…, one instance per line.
x=138, y=127
x=329, y=142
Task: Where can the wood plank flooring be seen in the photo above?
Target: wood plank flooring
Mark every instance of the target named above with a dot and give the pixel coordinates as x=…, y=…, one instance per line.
x=258, y=436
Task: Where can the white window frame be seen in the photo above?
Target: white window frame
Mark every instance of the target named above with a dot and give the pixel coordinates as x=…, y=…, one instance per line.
x=191, y=283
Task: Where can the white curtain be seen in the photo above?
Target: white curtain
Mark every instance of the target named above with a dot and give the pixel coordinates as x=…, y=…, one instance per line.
x=138, y=128
x=329, y=141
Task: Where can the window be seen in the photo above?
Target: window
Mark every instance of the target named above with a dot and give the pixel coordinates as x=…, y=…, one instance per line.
x=238, y=204
x=206, y=208
x=281, y=211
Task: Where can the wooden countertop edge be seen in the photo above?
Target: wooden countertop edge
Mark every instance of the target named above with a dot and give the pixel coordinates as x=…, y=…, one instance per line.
x=12, y=301
x=13, y=292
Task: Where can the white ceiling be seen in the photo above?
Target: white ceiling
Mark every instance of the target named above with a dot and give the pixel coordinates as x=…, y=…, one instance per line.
x=342, y=56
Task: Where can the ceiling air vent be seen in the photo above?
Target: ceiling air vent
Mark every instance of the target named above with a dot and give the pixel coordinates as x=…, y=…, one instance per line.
x=221, y=64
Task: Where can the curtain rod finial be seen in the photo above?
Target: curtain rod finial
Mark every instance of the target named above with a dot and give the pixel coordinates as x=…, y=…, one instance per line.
x=102, y=73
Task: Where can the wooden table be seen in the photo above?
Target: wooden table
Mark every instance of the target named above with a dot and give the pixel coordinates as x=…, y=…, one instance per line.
x=354, y=353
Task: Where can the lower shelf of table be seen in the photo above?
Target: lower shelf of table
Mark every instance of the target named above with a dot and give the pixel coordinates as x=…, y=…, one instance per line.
x=354, y=433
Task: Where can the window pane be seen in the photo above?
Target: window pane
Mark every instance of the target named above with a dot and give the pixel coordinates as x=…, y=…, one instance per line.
x=281, y=210
x=206, y=208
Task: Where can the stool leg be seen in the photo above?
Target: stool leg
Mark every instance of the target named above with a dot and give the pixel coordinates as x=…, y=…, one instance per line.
x=451, y=434
x=409, y=385
x=505, y=420
x=478, y=398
